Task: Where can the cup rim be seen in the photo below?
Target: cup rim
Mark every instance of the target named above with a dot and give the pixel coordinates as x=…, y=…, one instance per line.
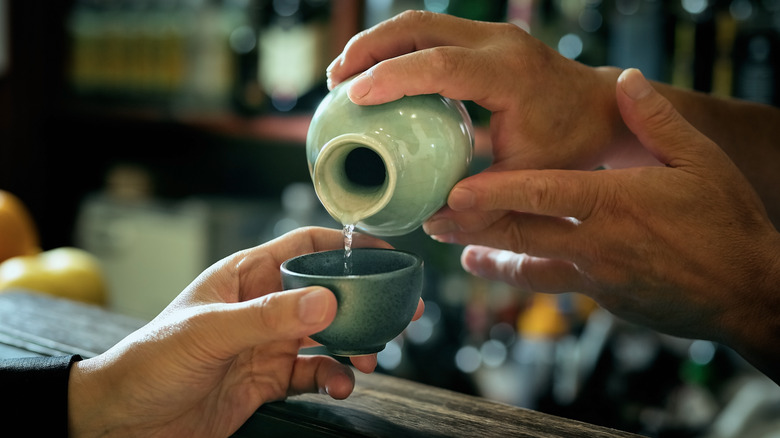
x=418, y=262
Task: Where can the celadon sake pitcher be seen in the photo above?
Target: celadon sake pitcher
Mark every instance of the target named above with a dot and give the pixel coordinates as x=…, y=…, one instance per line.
x=387, y=168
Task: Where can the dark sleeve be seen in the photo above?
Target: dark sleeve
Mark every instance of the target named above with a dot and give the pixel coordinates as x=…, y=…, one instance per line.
x=34, y=395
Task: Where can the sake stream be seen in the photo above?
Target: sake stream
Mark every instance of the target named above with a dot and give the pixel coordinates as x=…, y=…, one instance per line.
x=348, y=230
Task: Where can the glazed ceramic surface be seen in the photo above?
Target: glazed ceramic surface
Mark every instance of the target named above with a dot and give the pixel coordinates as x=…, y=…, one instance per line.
x=387, y=168
x=375, y=303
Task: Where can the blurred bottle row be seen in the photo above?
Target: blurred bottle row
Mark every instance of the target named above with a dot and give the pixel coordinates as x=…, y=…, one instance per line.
x=259, y=55
x=727, y=47
x=199, y=54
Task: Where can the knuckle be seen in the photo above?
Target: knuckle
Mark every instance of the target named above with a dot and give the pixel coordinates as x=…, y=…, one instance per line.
x=269, y=314
x=513, y=235
x=414, y=16
x=442, y=60
x=522, y=277
x=538, y=192
x=660, y=113
x=509, y=30
x=518, y=243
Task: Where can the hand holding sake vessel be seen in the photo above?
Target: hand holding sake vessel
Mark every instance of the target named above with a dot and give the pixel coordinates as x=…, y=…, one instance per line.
x=387, y=168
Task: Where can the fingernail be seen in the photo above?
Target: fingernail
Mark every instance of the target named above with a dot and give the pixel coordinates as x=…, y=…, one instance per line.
x=313, y=305
x=460, y=199
x=328, y=72
x=444, y=238
x=440, y=226
x=468, y=260
x=360, y=86
x=333, y=64
x=471, y=259
x=634, y=84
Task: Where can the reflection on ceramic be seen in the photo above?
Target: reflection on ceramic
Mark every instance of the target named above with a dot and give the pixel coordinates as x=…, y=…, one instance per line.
x=375, y=303
x=387, y=168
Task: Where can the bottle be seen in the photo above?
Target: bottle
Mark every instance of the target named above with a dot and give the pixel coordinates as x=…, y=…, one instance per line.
x=293, y=54
x=387, y=168
x=638, y=37
x=243, y=18
x=756, y=52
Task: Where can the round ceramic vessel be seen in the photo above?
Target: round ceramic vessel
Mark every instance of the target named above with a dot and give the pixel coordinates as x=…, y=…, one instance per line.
x=387, y=168
x=375, y=303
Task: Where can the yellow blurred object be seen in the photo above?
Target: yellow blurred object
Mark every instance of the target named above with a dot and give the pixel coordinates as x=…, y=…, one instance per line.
x=66, y=272
x=542, y=318
x=18, y=234
x=584, y=306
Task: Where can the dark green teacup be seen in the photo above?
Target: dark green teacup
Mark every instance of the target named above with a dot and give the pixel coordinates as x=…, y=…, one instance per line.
x=375, y=302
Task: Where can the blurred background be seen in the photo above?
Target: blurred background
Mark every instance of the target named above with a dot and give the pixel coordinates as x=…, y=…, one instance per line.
x=163, y=135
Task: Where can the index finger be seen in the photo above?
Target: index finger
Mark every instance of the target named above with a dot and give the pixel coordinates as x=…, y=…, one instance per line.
x=405, y=33
x=561, y=193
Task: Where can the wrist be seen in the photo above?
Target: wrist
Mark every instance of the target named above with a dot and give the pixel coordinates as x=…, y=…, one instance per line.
x=754, y=331
x=87, y=401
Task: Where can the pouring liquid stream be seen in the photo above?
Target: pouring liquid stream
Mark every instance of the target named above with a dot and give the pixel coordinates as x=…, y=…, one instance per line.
x=348, y=230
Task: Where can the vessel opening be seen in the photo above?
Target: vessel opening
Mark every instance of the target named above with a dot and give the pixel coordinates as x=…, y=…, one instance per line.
x=364, y=167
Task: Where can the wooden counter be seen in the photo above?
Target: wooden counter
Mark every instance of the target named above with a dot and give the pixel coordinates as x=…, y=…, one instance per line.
x=380, y=406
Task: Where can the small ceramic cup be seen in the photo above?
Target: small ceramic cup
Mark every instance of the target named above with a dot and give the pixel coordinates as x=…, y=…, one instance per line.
x=375, y=302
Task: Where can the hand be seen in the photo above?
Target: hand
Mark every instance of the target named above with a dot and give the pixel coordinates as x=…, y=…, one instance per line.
x=686, y=249
x=547, y=111
x=227, y=344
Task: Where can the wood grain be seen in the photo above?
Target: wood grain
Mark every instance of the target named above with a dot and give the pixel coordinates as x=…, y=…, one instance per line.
x=380, y=406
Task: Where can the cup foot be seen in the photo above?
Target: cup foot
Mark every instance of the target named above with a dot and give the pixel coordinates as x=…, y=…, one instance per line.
x=356, y=351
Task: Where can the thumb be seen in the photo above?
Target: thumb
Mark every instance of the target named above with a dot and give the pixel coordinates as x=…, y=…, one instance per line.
x=280, y=316
x=655, y=122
